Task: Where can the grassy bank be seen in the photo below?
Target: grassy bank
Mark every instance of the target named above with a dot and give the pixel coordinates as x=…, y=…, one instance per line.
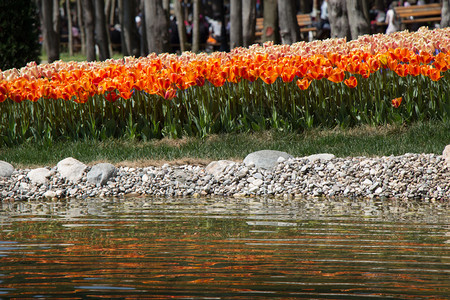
x=429, y=137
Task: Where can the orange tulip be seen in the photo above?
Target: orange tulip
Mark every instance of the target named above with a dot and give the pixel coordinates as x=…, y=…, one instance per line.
x=302, y=69
x=396, y=102
x=200, y=81
x=170, y=93
x=351, y=82
x=303, y=83
x=334, y=58
x=434, y=74
x=112, y=97
x=336, y=75
x=315, y=72
x=3, y=91
x=424, y=57
x=402, y=70
x=401, y=54
x=414, y=70
x=374, y=64
x=269, y=76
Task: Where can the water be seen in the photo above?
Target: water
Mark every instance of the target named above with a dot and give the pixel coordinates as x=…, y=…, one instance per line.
x=224, y=249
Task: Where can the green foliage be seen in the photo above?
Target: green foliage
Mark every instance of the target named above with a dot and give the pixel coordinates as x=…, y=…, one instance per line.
x=19, y=35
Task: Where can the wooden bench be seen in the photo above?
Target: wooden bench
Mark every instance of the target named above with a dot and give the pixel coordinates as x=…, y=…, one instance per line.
x=416, y=14
x=304, y=22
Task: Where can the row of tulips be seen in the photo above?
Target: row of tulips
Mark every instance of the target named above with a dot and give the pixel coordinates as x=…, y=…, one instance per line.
x=165, y=78
x=322, y=83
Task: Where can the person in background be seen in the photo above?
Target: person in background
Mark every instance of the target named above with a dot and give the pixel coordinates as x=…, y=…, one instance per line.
x=391, y=19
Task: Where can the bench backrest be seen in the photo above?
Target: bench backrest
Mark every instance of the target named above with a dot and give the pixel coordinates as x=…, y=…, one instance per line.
x=433, y=9
x=302, y=20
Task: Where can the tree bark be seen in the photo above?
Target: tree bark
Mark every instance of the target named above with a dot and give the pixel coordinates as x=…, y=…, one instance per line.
x=196, y=27
x=51, y=38
x=248, y=22
x=89, y=23
x=112, y=15
x=166, y=6
x=157, y=25
x=81, y=26
x=130, y=35
x=102, y=36
x=69, y=26
x=235, y=23
x=180, y=25
x=271, y=31
x=337, y=14
x=56, y=18
x=445, y=21
x=358, y=18
x=287, y=16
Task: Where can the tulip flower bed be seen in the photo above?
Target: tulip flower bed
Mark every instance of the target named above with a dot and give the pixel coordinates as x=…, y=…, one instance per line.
x=378, y=79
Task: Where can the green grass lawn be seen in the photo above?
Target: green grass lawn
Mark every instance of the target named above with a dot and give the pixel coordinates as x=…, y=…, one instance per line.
x=430, y=137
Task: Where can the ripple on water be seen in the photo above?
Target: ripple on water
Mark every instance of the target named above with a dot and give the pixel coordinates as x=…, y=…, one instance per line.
x=225, y=248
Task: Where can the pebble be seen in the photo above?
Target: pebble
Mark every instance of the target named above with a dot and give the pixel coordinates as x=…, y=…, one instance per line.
x=409, y=176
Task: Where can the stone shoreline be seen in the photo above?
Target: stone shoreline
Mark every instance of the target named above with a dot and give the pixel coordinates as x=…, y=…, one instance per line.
x=409, y=176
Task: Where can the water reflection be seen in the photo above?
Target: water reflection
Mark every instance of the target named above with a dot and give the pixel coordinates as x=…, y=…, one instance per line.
x=224, y=248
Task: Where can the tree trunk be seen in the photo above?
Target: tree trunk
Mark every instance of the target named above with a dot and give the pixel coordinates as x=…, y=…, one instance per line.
x=270, y=31
x=287, y=16
x=108, y=6
x=130, y=35
x=337, y=13
x=156, y=26
x=112, y=13
x=81, y=26
x=180, y=25
x=51, y=38
x=445, y=22
x=235, y=23
x=102, y=36
x=89, y=23
x=196, y=27
x=56, y=18
x=166, y=7
x=69, y=26
x=248, y=22
x=358, y=18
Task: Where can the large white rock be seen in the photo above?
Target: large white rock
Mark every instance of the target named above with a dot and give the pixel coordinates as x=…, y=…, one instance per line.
x=101, y=173
x=446, y=155
x=39, y=175
x=71, y=169
x=266, y=159
x=321, y=156
x=6, y=169
x=217, y=168
x=50, y=194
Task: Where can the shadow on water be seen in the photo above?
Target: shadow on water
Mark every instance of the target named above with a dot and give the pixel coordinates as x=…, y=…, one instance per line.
x=225, y=248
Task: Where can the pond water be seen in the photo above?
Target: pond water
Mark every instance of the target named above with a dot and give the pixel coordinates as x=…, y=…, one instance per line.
x=224, y=248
